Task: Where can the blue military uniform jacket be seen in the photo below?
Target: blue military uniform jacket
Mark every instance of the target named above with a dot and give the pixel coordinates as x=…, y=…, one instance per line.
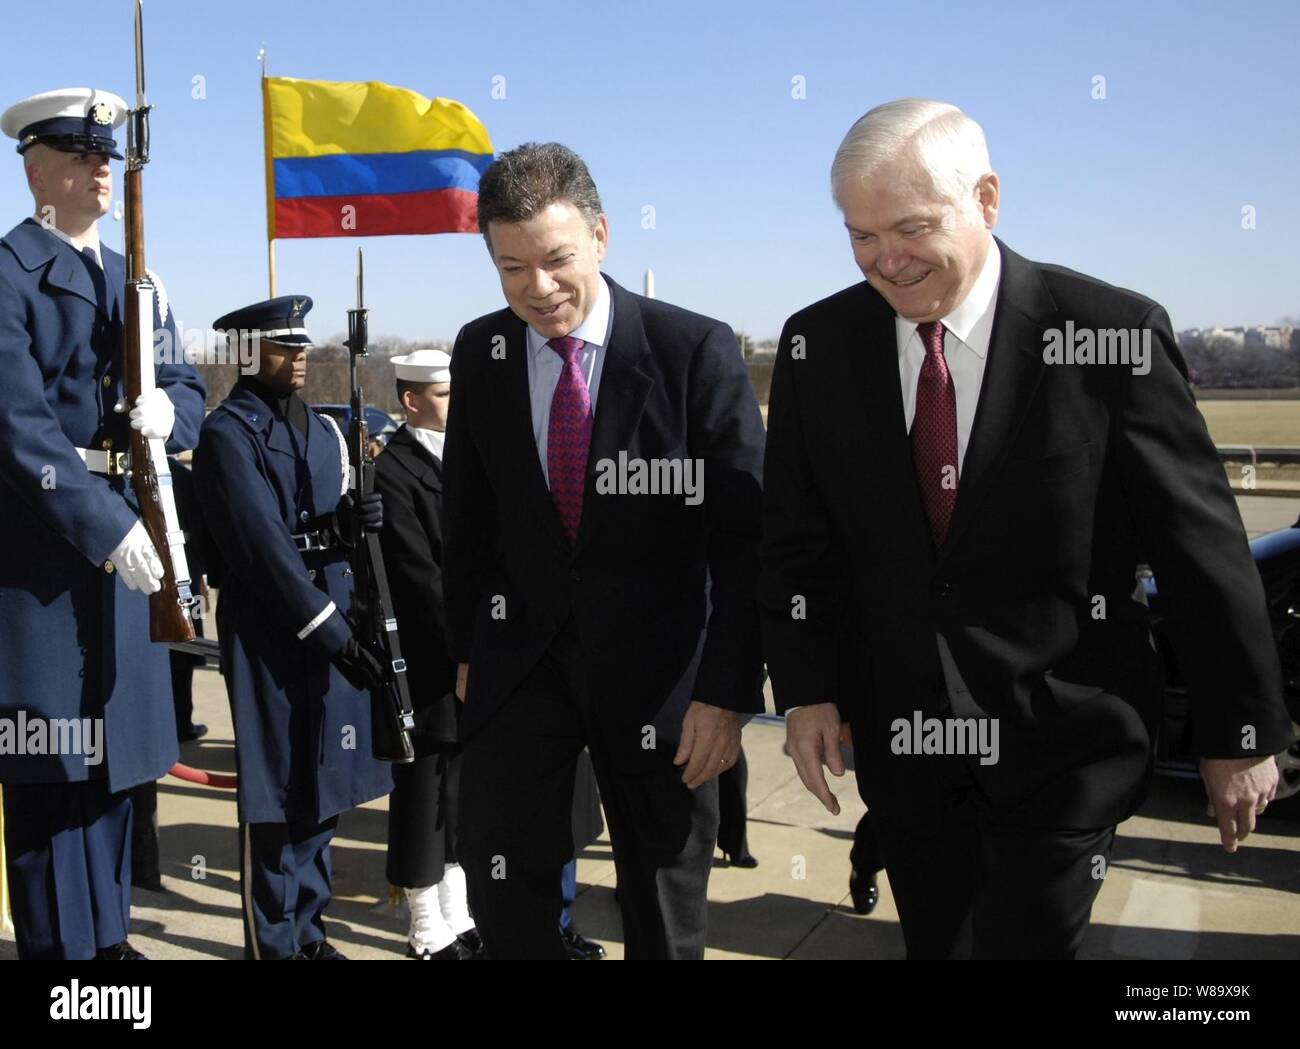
x=302, y=733
x=74, y=641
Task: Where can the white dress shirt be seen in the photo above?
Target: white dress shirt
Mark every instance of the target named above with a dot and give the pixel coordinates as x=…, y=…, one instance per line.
x=965, y=347
x=431, y=440
x=90, y=239
x=545, y=366
x=967, y=330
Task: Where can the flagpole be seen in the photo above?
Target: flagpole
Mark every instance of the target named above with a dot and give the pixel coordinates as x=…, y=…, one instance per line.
x=270, y=202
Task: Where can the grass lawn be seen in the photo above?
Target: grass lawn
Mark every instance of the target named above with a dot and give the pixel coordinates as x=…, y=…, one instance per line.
x=1270, y=423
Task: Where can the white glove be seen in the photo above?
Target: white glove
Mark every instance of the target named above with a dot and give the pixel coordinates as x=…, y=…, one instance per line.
x=137, y=562
x=154, y=415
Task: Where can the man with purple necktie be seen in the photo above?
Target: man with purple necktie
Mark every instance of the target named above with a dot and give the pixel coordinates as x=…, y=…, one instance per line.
x=601, y=534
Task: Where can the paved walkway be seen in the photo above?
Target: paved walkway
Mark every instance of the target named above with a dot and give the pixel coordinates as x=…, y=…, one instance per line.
x=1171, y=892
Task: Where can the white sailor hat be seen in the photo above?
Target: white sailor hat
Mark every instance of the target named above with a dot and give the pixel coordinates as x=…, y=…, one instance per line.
x=71, y=120
x=424, y=366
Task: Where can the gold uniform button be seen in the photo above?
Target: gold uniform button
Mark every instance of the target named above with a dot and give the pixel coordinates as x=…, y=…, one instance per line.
x=106, y=443
x=108, y=567
x=108, y=380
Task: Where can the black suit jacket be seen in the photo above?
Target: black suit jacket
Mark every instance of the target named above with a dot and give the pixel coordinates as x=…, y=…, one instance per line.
x=1073, y=474
x=410, y=481
x=644, y=567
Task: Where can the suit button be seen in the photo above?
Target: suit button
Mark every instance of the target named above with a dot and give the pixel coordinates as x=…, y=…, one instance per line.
x=106, y=443
x=108, y=567
x=311, y=573
x=303, y=515
x=108, y=381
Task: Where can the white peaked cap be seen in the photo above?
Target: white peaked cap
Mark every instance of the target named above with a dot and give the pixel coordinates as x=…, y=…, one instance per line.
x=424, y=366
x=81, y=103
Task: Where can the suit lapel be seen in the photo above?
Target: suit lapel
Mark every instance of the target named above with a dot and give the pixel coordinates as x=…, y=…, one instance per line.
x=513, y=416
x=1011, y=376
x=878, y=422
x=621, y=399
x=413, y=457
x=35, y=246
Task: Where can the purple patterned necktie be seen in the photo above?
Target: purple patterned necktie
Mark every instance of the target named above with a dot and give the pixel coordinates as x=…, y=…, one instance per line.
x=934, y=433
x=568, y=436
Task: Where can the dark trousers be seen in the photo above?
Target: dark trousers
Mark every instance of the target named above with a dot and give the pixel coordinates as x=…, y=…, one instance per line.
x=516, y=821
x=68, y=852
x=733, y=825
x=864, y=857
x=568, y=892
x=182, y=672
x=285, y=874
x=422, y=819
x=968, y=883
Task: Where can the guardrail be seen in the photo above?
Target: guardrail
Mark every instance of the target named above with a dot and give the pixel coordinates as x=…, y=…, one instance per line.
x=1255, y=454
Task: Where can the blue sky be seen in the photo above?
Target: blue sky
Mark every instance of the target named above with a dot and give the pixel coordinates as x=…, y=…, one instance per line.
x=688, y=108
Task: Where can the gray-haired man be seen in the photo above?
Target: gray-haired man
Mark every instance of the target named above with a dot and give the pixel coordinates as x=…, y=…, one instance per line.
x=968, y=513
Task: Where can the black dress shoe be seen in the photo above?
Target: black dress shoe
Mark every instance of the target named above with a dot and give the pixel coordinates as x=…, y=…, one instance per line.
x=322, y=951
x=119, y=952
x=189, y=735
x=153, y=884
x=579, y=947
x=864, y=892
x=473, y=942
x=745, y=859
x=456, y=951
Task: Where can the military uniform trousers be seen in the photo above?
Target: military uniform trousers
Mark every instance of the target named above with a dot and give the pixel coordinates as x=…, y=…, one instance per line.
x=285, y=876
x=68, y=856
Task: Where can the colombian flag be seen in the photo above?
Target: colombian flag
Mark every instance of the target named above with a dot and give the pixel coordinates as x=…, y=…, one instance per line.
x=364, y=160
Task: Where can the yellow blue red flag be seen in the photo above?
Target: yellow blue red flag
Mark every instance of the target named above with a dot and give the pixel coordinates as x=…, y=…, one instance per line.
x=368, y=159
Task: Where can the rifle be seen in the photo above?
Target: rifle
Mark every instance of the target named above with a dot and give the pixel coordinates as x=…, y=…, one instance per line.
x=391, y=717
x=171, y=608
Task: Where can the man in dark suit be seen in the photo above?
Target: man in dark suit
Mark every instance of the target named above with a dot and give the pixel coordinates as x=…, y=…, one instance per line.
x=78, y=564
x=602, y=488
x=969, y=513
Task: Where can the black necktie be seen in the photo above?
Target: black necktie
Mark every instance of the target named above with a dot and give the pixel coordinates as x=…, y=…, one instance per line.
x=97, y=277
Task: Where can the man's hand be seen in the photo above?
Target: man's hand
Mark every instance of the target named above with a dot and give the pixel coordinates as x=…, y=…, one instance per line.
x=355, y=662
x=1239, y=789
x=154, y=415
x=462, y=680
x=710, y=743
x=812, y=734
x=137, y=562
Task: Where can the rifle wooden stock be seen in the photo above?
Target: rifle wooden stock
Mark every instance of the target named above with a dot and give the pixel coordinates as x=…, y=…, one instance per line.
x=169, y=608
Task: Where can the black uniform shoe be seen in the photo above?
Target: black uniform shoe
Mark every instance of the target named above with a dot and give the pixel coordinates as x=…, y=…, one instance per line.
x=456, y=951
x=322, y=951
x=145, y=881
x=189, y=735
x=864, y=892
x=119, y=952
x=745, y=859
x=579, y=947
x=473, y=942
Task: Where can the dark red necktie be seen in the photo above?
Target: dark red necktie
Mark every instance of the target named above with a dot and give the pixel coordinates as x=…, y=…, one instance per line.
x=934, y=433
x=568, y=435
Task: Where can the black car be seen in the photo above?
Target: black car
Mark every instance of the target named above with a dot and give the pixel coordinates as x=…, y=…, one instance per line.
x=1277, y=557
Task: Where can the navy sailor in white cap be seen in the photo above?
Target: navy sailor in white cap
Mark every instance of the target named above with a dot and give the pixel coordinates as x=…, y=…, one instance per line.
x=78, y=564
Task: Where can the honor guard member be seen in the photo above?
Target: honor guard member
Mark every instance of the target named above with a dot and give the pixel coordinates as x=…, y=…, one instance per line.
x=78, y=564
x=422, y=808
x=272, y=479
